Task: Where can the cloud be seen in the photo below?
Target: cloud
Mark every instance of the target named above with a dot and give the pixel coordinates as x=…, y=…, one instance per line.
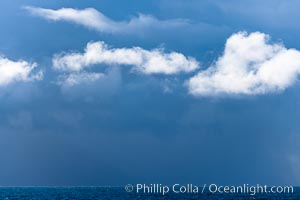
x=88, y=86
x=143, y=61
x=250, y=65
x=14, y=71
x=74, y=79
x=93, y=19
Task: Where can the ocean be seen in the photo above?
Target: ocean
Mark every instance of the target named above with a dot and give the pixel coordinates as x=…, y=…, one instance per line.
x=90, y=193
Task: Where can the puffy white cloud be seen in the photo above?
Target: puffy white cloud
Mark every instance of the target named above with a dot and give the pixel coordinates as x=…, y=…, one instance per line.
x=250, y=65
x=13, y=71
x=143, y=61
x=93, y=19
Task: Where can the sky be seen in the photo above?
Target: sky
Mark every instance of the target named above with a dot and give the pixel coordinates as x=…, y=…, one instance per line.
x=117, y=92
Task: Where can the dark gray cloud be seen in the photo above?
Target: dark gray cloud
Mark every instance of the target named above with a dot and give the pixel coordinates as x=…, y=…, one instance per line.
x=127, y=129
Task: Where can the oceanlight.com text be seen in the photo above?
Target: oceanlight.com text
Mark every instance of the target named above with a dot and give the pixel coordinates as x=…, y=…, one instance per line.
x=208, y=188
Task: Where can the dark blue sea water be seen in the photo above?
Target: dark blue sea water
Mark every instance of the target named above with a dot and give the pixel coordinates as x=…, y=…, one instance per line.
x=89, y=193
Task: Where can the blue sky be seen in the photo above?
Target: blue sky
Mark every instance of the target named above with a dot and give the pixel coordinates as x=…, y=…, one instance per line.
x=117, y=92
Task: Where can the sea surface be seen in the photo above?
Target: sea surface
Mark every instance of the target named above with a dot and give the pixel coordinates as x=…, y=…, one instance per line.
x=89, y=193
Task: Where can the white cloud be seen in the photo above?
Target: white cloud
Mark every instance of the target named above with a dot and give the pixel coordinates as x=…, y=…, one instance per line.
x=249, y=65
x=93, y=19
x=90, y=85
x=13, y=71
x=143, y=61
x=74, y=79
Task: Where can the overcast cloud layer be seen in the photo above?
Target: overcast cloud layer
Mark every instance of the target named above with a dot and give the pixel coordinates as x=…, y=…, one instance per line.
x=88, y=124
